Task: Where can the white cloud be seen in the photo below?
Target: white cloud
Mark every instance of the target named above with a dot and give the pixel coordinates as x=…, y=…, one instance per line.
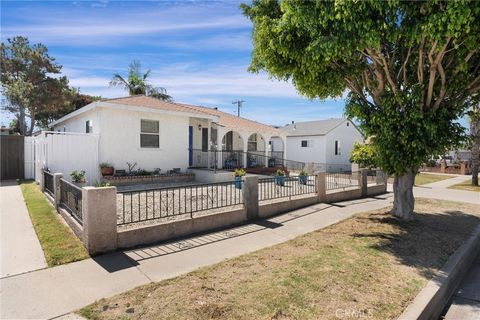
x=99, y=28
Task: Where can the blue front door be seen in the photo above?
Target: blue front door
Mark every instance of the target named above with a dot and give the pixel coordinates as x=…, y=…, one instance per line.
x=190, y=146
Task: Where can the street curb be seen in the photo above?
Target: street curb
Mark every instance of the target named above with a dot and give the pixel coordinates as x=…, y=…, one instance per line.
x=429, y=303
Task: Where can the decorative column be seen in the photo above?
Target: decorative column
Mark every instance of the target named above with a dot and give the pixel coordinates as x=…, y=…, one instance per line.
x=99, y=219
x=250, y=196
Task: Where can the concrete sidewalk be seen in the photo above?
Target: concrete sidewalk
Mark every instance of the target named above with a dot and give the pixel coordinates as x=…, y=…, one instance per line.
x=57, y=291
x=20, y=250
x=442, y=184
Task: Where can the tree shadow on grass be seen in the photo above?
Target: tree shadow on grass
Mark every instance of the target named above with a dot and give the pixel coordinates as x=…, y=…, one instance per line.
x=425, y=243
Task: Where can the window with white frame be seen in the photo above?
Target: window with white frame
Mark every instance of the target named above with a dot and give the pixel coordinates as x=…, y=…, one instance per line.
x=149, y=134
x=338, y=150
x=306, y=143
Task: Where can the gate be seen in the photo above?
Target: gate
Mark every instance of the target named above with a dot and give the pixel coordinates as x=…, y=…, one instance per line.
x=12, y=157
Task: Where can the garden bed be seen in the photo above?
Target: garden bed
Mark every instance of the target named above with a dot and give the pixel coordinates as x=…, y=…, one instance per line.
x=145, y=179
x=371, y=264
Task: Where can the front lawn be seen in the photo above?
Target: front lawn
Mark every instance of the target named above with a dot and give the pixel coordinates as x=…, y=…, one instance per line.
x=425, y=178
x=371, y=264
x=58, y=242
x=466, y=185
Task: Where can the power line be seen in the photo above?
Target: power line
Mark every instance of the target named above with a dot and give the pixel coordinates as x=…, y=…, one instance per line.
x=239, y=105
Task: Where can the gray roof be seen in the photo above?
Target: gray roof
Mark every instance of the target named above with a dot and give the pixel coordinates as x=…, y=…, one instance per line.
x=312, y=128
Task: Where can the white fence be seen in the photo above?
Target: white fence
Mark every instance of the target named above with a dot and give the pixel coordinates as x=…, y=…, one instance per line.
x=29, y=152
x=65, y=152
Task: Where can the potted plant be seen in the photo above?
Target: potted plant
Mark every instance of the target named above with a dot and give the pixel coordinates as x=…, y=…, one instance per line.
x=78, y=178
x=303, y=177
x=280, y=177
x=106, y=169
x=239, y=173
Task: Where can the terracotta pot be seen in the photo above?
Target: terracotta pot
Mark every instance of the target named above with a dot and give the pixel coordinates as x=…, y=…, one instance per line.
x=107, y=171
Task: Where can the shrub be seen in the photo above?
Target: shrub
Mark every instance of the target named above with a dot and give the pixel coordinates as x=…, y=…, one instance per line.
x=106, y=165
x=240, y=172
x=78, y=176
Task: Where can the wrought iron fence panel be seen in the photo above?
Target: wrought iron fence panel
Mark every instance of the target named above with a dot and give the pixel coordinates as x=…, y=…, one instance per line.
x=144, y=205
x=286, y=187
x=48, y=183
x=71, y=199
x=341, y=180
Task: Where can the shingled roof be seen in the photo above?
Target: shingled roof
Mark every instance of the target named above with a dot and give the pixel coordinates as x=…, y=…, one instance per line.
x=224, y=119
x=312, y=128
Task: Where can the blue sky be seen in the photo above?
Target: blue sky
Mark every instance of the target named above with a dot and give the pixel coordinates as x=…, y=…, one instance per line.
x=199, y=51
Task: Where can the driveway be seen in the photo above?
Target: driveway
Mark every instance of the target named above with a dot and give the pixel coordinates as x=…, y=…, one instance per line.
x=20, y=250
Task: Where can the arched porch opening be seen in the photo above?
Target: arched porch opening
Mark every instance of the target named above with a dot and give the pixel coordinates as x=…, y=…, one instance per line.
x=232, y=150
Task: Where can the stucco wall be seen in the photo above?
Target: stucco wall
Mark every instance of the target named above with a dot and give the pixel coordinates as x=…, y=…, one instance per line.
x=347, y=136
x=120, y=140
x=313, y=153
x=77, y=124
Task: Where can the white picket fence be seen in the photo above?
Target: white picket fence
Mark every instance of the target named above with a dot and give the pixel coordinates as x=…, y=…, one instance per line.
x=65, y=152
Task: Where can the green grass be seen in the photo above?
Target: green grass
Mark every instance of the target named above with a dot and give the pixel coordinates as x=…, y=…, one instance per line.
x=58, y=242
x=371, y=263
x=466, y=185
x=425, y=178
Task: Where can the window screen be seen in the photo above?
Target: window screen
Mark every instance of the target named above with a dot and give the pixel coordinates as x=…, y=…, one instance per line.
x=149, y=134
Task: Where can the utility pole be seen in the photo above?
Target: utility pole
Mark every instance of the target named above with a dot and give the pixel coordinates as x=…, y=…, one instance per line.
x=239, y=105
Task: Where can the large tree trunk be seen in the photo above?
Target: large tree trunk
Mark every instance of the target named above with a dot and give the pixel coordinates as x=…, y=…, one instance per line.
x=21, y=121
x=32, y=123
x=403, y=200
x=475, y=133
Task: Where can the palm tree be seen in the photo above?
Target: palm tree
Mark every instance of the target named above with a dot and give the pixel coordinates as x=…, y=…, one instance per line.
x=136, y=83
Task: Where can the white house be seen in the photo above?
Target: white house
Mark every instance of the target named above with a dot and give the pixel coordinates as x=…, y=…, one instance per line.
x=166, y=135
x=326, y=143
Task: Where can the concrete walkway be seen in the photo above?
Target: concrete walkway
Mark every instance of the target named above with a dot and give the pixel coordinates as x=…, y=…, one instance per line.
x=466, y=301
x=438, y=190
x=20, y=250
x=57, y=291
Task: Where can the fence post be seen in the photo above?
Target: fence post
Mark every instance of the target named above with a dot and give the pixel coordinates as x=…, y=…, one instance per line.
x=56, y=188
x=363, y=181
x=463, y=168
x=250, y=196
x=443, y=166
x=321, y=187
x=41, y=180
x=99, y=219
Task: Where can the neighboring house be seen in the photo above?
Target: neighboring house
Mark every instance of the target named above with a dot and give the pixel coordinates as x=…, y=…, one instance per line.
x=327, y=143
x=166, y=135
x=7, y=131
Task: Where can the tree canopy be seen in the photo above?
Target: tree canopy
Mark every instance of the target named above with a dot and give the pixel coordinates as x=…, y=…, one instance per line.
x=410, y=69
x=31, y=81
x=137, y=83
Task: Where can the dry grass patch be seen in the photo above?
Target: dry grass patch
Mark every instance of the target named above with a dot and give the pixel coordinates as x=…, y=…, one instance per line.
x=425, y=178
x=372, y=264
x=466, y=185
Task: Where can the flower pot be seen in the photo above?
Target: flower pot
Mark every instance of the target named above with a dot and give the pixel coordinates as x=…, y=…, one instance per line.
x=107, y=171
x=303, y=179
x=238, y=182
x=280, y=180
